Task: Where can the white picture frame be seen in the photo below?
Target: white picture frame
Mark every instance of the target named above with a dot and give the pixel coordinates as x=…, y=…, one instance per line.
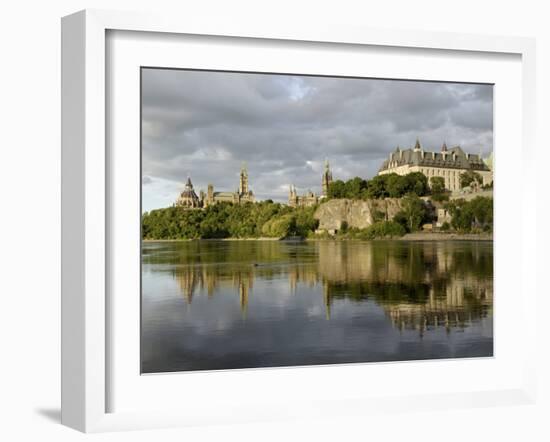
x=86, y=353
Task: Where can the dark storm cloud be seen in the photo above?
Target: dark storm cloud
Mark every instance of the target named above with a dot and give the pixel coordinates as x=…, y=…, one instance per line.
x=206, y=124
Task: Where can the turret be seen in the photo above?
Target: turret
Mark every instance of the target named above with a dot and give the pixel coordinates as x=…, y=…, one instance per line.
x=243, y=180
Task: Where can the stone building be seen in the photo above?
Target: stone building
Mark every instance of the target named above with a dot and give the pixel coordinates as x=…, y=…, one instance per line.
x=307, y=200
x=310, y=199
x=448, y=164
x=242, y=195
x=188, y=198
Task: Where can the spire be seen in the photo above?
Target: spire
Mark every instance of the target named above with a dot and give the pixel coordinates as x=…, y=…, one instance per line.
x=444, y=147
x=189, y=184
x=327, y=165
x=417, y=144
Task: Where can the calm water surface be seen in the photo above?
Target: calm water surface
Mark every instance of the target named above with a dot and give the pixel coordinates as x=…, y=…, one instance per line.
x=236, y=304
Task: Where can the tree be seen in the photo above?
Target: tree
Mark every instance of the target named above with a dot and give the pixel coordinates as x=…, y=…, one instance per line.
x=377, y=187
x=354, y=188
x=437, y=185
x=396, y=185
x=474, y=214
x=468, y=177
x=337, y=189
x=413, y=212
x=417, y=183
x=482, y=210
x=283, y=226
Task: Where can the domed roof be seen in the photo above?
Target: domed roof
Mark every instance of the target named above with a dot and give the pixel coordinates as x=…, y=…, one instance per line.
x=188, y=192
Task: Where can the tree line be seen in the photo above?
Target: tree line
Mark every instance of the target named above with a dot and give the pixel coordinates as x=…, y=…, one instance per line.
x=392, y=185
x=227, y=220
x=389, y=185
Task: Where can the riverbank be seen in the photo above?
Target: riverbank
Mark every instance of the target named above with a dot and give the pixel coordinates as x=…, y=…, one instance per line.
x=441, y=236
x=214, y=239
x=417, y=236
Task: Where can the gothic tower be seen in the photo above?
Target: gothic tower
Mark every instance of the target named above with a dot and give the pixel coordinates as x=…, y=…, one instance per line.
x=210, y=195
x=243, y=181
x=326, y=179
x=292, y=200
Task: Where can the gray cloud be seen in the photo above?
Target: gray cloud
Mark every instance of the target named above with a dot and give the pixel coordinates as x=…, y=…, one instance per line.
x=205, y=124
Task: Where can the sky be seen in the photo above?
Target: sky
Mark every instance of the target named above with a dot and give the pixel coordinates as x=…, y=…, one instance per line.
x=205, y=125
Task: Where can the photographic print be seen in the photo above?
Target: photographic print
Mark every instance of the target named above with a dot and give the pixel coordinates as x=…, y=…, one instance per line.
x=294, y=220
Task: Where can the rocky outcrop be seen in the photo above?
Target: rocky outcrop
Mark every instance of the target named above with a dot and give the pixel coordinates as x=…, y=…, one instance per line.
x=356, y=213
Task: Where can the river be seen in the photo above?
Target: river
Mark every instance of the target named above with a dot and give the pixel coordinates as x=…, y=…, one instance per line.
x=210, y=305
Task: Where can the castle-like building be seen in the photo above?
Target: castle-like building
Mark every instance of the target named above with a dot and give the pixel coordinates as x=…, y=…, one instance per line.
x=448, y=164
x=190, y=200
x=310, y=199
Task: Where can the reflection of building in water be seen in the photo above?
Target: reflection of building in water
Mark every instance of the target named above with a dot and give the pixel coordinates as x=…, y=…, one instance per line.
x=419, y=286
x=188, y=281
x=208, y=279
x=461, y=305
x=243, y=283
x=307, y=274
x=326, y=299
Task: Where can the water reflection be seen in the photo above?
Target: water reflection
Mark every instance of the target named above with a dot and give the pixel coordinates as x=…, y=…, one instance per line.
x=421, y=287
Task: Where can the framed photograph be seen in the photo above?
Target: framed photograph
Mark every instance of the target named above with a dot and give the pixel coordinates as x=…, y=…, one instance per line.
x=280, y=223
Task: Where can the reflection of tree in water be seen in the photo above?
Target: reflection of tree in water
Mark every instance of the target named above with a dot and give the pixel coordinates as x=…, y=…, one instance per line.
x=419, y=285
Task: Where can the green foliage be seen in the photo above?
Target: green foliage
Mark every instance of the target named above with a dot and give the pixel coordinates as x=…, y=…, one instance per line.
x=437, y=188
x=337, y=189
x=396, y=185
x=412, y=214
x=344, y=227
x=437, y=184
x=473, y=215
x=417, y=183
x=445, y=226
x=306, y=224
x=468, y=177
x=226, y=220
x=377, y=187
x=353, y=189
x=440, y=197
x=280, y=226
x=381, y=186
x=381, y=229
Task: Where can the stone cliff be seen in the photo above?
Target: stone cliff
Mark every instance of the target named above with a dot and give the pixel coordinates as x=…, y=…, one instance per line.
x=356, y=213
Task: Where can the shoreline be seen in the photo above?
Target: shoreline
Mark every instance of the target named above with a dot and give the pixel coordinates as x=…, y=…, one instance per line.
x=417, y=236
x=437, y=236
